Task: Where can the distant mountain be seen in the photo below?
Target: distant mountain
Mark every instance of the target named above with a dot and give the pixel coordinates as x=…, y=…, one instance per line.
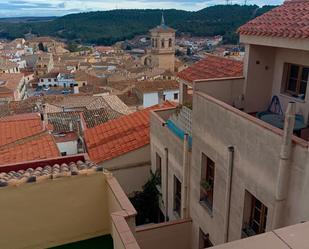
x=108, y=27
x=27, y=19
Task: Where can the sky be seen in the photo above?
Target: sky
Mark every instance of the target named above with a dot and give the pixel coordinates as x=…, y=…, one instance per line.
x=17, y=8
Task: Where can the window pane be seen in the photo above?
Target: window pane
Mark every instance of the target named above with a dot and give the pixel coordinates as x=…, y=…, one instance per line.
x=257, y=215
x=292, y=84
x=305, y=73
x=294, y=71
x=303, y=87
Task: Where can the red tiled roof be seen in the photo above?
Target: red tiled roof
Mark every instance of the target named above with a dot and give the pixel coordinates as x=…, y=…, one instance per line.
x=290, y=20
x=120, y=136
x=40, y=146
x=17, y=127
x=212, y=67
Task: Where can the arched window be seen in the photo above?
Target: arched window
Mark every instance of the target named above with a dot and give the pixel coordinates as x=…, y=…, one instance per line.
x=156, y=43
x=170, y=42
x=152, y=43
x=162, y=43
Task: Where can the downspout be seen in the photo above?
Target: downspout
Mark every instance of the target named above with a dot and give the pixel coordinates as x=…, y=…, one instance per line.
x=228, y=192
x=284, y=164
x=166, y=184
x=185, y=177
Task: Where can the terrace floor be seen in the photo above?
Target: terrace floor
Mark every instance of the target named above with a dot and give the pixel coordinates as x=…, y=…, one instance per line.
x=105, y=242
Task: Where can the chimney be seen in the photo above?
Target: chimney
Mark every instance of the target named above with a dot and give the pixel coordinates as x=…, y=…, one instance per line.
x=160, y=96
x=71, y=126
x=75, y=89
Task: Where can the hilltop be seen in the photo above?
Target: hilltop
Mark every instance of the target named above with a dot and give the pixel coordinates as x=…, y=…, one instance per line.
x=107, y=27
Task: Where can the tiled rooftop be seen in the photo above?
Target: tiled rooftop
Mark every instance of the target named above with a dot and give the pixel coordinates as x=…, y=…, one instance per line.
x=18, y=127
x=120, y=136
x=212, y=67
x=10, y=81
x=290, y=20
x=156, y=85
x=47, y=172
x=22, y=138
x=37, y=147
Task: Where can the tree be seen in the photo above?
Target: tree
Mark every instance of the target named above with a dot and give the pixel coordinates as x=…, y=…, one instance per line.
x=146, y=202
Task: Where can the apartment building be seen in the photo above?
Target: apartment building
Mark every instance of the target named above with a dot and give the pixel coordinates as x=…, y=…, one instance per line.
x=236, y=163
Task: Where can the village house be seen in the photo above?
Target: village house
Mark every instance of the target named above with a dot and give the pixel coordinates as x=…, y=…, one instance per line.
x=7, y=66
x=12, y=86
x=44, y=63
x=153, y=92
x=49, y=79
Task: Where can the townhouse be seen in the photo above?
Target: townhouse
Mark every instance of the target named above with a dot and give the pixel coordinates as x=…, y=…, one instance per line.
x=237, y=163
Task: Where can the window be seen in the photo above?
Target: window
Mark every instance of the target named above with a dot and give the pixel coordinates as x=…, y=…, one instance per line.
x=49, y=80
x=204, y=241
x=63, y=153
x=170, y=42
x=256, y=212
x=42, y=80
x=175, y=96
x=164, y=97
x=159, y=167
x=296, y=78
x=207, y=181
x=152, y=43
x=177, y=196
x=162, y=43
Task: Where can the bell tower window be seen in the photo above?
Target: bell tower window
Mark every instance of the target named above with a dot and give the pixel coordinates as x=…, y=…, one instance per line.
x=162, y=43
x=170, y=42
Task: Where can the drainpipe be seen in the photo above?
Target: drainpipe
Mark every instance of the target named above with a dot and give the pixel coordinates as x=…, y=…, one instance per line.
x=228, y=192
x=284, y=164
x=185, y=177
x=166, y=184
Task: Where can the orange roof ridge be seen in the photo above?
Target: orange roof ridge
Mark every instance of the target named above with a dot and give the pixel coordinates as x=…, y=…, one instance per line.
x=212, y=67
x=120, y=136
x=24, y=139
x=289, y=20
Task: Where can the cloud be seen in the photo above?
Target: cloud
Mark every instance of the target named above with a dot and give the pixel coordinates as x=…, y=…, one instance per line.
x=62, y=7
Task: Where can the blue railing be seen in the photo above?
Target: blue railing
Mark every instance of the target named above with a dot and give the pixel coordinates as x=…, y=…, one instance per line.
x=178, y=132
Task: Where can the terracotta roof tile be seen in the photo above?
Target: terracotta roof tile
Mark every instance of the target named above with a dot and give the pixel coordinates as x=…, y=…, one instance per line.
x=212, y=67
x=120, y=136
x=17, y=127
x=290, y=20
x=40, y=146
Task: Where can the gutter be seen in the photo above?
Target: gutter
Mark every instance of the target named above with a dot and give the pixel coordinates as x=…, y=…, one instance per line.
x=228, y=192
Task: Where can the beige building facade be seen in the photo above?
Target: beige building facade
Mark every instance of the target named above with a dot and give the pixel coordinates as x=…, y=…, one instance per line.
x=236, y=175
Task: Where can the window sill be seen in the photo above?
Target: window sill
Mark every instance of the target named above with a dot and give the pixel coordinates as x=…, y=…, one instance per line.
x=205, y=205
x=286, y=95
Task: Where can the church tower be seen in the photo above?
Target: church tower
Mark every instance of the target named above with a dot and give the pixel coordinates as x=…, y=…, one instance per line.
x=163, y=46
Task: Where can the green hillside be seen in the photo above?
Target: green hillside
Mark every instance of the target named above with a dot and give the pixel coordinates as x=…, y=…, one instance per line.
x=107, y=27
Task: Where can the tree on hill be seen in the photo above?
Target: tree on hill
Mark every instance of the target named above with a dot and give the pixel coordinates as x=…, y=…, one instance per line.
x=108, y=27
